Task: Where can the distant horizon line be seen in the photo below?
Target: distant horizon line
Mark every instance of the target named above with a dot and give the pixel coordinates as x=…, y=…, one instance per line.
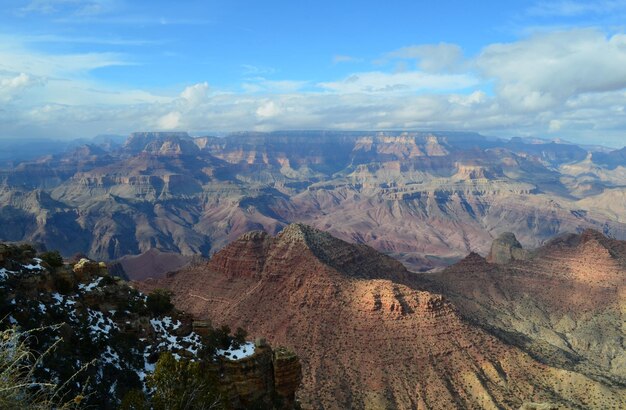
x=221, y=134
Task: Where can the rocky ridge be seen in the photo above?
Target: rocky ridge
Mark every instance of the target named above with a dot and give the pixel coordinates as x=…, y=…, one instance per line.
x=563, y=302
x=369, y=333
x=506, y=248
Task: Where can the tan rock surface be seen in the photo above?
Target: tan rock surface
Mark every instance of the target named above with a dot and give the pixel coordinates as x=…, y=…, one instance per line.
x=566, y=304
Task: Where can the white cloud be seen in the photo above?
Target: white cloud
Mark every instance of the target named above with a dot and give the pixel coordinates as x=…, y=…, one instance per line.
x=170, y=121
x=227, y=112
x=477, y=97
x=22, y=80
x=568, y=8
x=268, y=109
x=410, y=81
x=546, y=70
x=250, y=69
x=338, y=58
x=63, y=79
x=555, y=125
x=431, y=57
x=77, y=7
x=568, y=84
x=11, y=87
x=263, y=85
x=196, y=94
x=16, y=57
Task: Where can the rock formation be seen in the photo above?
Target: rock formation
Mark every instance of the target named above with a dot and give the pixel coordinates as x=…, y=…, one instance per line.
x=506, y=248
x=425, y=198
x=565, y=305
x=368, y=332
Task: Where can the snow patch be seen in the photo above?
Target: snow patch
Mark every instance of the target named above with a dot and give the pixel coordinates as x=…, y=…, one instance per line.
x=100, y=325
x=37, y=266
x=4, y=273
x=57, y=296
x=110, y=356
x=91, y=286
x=245, y=350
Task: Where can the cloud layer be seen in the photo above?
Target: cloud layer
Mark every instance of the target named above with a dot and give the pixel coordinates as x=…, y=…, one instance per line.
x=568, y=84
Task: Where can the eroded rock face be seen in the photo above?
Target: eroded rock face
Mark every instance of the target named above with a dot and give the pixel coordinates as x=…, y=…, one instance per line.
x=368, y=332
x=269, y=379
x=506, y=248
x=425, y=198
x=287, y=374
x=565, y=304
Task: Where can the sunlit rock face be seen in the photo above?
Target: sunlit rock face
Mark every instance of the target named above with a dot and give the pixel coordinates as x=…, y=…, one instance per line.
x=563, y=302
x=371, y=334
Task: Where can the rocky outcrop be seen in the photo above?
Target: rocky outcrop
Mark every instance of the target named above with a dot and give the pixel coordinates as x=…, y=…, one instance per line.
x=506, y=248
x=153, y=141
x=267, y=379
x=369, y=334
x=287, y=375
x=107, y=336
x=86, y=269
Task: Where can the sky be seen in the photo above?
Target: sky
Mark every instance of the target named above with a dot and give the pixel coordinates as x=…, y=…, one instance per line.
x=530, y=68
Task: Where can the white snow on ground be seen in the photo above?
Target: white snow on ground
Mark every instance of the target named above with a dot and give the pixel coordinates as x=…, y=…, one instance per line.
x=99, y=325
x=245, y=350
x=167, y=322
x=194, y=342
x=37, y=266
x=91, y=286
x=166, y=339
x=57, y=296
x=4, y=273
x=148, y=368
x=66, y=303
x=110, y=356
x=42, y=308
x=113, y=387
x=34, y=267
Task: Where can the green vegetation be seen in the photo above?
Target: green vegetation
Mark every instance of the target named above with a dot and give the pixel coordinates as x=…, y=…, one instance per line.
x=100, y=339
x=159, y=301
x=177, y=385
x=52, y=258
x=182, y=384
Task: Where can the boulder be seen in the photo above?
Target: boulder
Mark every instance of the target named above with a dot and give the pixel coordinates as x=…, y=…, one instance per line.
x=506, y=248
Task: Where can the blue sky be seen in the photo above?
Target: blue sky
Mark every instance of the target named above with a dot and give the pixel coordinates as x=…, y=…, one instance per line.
x=551, y=69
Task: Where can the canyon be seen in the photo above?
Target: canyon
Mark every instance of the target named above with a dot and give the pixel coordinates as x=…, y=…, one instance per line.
x=425, y=198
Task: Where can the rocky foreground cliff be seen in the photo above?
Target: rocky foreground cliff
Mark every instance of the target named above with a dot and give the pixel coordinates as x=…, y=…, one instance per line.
x=371, y=334
x=99, y=340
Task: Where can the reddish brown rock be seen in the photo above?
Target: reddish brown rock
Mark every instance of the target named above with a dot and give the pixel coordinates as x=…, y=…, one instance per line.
x=268, y=379
x=368, y=333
